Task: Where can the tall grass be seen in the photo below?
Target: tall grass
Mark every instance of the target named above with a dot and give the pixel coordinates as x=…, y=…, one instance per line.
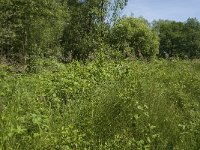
x=101, y=105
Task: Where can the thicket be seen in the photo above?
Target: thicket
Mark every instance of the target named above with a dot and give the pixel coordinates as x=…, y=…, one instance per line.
x=70, y=78
x=101, y=105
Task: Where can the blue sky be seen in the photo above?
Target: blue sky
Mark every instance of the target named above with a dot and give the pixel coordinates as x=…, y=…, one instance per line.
x=178, y=10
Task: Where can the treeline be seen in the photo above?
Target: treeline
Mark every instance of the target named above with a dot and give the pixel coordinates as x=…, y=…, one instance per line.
x=78, y=29
x=63, y=28
x=179, y=39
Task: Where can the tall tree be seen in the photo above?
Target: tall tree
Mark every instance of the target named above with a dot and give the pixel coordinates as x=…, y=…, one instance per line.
x=192, y=42
x=30, y=27
x=89, y=20
x=179, y=39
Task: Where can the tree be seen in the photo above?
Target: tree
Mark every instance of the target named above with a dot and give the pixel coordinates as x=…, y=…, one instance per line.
x=192, y=42
x=179, y=39
x=171, y=37
x=135, y=34
x=88, y=25
x=30, y=27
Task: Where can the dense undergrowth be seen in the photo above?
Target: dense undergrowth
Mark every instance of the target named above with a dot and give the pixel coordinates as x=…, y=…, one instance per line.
x=101, y=105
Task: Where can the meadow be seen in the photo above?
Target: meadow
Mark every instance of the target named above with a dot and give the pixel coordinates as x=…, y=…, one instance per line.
x=101, y=105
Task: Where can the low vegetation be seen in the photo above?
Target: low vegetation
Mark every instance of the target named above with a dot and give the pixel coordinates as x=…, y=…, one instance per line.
x=101, y=105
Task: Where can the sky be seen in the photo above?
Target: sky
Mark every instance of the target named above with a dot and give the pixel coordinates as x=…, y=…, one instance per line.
x=178, y=10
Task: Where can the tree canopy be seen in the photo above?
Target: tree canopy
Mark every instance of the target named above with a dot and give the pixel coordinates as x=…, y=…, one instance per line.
x=179, y=39
x=135, y=34
x=31, y=27
x=75, y=29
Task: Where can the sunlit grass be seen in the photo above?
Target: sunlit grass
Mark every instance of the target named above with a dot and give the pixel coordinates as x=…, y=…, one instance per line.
x=101, y=105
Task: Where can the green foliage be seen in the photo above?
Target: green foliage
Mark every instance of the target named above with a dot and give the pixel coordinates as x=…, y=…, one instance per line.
x=192, y=31
x=31, y=27
x=105, y=102
x=89, y=21
x=101, y=105
x=179, y=39
x=134, y=35
x=78, y=29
